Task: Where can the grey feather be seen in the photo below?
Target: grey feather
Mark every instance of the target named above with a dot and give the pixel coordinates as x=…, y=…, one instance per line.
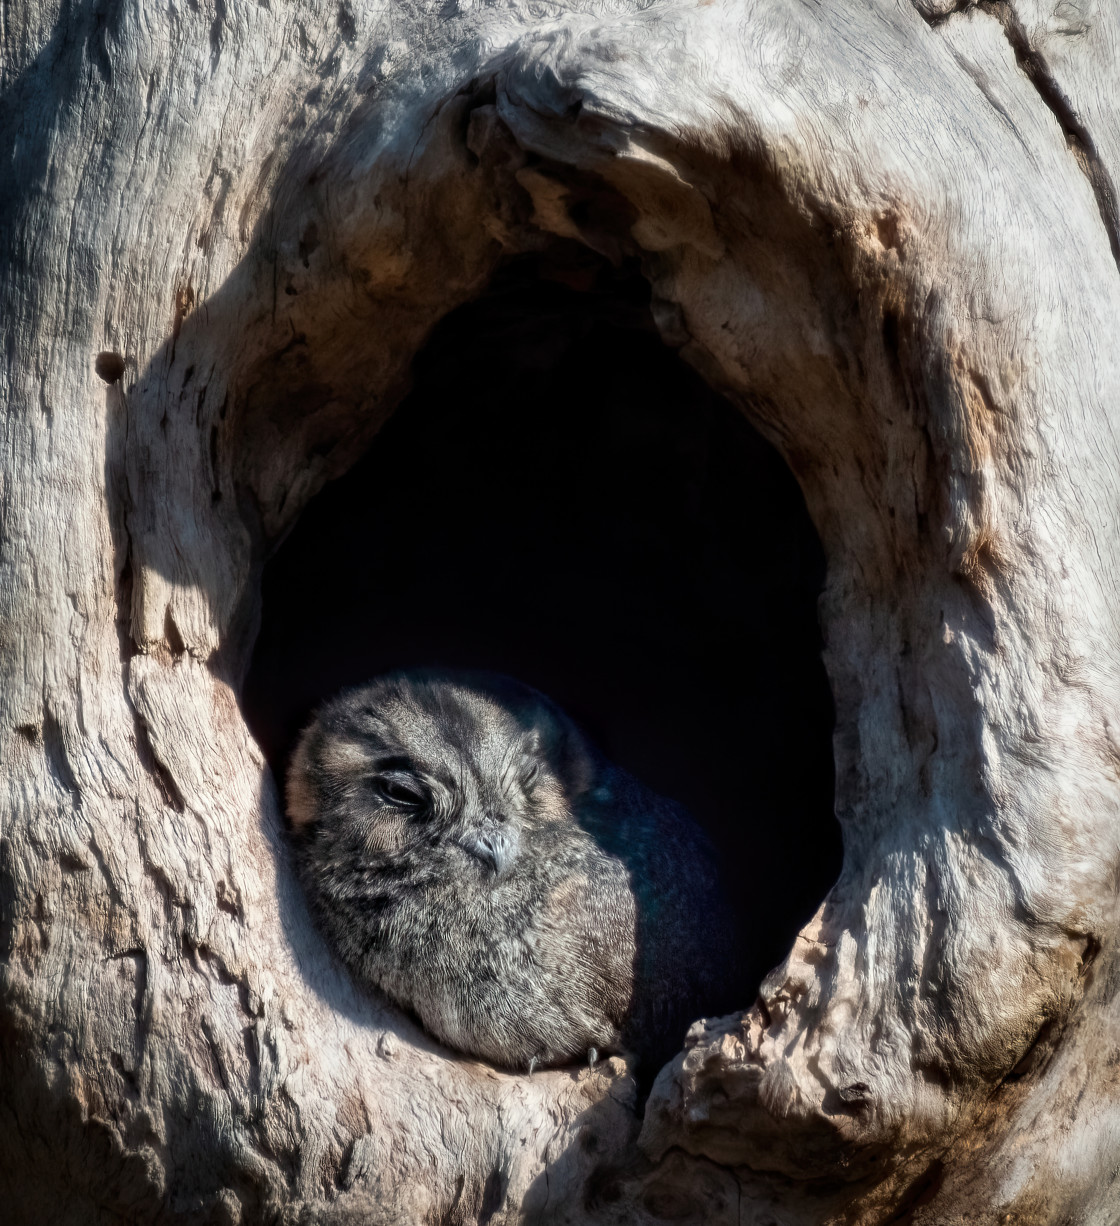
x=471, y=856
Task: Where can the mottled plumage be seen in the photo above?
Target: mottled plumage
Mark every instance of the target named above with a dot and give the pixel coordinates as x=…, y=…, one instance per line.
x=470, y=855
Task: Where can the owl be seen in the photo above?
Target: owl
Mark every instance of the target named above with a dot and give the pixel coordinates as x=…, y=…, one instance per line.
x=472, y=857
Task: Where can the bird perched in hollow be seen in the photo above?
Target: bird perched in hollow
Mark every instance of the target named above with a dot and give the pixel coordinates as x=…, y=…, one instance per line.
x=468, y=853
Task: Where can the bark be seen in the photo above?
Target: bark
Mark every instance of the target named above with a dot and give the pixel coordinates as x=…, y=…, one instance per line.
x=889, y=234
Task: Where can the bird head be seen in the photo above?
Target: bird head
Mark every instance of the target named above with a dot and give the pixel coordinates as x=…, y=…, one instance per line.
x=467, y=766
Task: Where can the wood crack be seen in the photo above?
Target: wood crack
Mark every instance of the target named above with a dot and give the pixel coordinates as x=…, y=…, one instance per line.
x=1084, y=149
x=1077, y=135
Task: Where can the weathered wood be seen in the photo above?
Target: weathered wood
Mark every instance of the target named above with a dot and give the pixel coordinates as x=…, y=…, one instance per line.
x=889, y=234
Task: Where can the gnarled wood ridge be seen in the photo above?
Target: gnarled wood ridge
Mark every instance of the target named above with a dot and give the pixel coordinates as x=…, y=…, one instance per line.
x=888, y=233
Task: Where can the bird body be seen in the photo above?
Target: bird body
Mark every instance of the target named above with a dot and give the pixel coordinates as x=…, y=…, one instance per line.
x=471, y=856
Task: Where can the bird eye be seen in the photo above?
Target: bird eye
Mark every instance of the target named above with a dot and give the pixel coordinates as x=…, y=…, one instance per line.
x=404, y=792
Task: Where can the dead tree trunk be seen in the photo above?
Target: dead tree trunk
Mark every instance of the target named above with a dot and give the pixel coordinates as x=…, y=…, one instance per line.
x=889, y=233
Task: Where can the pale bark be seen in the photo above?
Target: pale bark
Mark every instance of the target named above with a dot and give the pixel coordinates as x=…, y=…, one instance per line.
x=888, y=234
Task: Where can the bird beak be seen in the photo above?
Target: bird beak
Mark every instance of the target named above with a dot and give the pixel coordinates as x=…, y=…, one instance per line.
x=496, y=848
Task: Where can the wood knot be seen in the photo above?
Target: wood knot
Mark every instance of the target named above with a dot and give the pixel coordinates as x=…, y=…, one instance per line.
x=108, y=366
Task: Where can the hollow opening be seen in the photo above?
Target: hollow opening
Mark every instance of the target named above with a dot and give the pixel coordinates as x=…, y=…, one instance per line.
x=563, y=499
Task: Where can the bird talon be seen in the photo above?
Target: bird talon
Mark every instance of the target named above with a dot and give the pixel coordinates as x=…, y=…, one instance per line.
x=592, y=1057
x=532, y=1064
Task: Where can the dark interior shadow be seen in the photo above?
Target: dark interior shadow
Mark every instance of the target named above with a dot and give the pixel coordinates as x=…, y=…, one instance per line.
x=563, y=499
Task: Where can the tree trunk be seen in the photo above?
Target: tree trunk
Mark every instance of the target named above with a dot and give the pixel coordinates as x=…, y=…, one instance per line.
x=889, y=233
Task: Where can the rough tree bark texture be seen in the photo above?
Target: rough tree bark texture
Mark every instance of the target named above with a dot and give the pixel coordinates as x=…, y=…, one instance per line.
x=889, y=232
